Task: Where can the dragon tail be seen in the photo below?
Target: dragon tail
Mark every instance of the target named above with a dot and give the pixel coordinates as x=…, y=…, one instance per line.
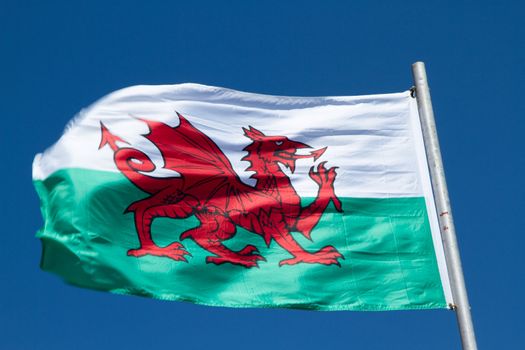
x=135, y=164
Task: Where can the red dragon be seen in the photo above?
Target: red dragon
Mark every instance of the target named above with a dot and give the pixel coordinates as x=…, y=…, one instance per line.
x=209, y=188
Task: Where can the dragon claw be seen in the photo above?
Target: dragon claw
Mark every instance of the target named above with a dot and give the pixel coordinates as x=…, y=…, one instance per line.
x=175, y=251
x=326, y=256
x=247, y=257
x=323, y=176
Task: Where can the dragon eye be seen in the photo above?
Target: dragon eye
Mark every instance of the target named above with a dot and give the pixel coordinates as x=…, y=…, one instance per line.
x=278, y=143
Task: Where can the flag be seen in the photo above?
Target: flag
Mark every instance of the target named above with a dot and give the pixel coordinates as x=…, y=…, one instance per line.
x=225, y=198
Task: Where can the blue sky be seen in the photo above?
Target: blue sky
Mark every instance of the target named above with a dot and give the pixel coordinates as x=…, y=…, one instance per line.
x=59, y=56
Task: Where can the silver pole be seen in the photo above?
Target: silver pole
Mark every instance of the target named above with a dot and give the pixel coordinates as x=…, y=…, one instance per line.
x=439, y=185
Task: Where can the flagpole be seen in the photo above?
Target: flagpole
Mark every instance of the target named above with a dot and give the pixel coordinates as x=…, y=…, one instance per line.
x=439, y=185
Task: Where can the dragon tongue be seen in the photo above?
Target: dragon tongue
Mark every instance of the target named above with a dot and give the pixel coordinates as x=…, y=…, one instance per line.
x=107, y=138
x=317, y=153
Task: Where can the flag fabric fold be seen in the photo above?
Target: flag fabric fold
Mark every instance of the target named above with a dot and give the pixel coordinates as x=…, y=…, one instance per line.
x=225, y=198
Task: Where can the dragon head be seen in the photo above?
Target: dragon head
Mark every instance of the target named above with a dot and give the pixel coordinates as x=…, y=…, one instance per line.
x=277, y=149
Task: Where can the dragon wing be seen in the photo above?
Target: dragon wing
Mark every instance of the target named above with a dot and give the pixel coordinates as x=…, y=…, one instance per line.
x=206, y=172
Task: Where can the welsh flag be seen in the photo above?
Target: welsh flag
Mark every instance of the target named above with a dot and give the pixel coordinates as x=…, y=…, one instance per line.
x=226, y=198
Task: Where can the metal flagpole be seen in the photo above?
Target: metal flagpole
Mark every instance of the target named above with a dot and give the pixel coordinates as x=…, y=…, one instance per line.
x=439, y=185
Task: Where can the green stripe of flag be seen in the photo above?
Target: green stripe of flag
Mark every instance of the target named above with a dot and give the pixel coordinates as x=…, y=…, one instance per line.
x=389, y=261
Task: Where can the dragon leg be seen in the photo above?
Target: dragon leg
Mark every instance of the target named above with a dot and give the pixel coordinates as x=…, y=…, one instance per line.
x=326, y=256
x=167, y=203
x=274, y=226
x=310, y=215
x=214, y=229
